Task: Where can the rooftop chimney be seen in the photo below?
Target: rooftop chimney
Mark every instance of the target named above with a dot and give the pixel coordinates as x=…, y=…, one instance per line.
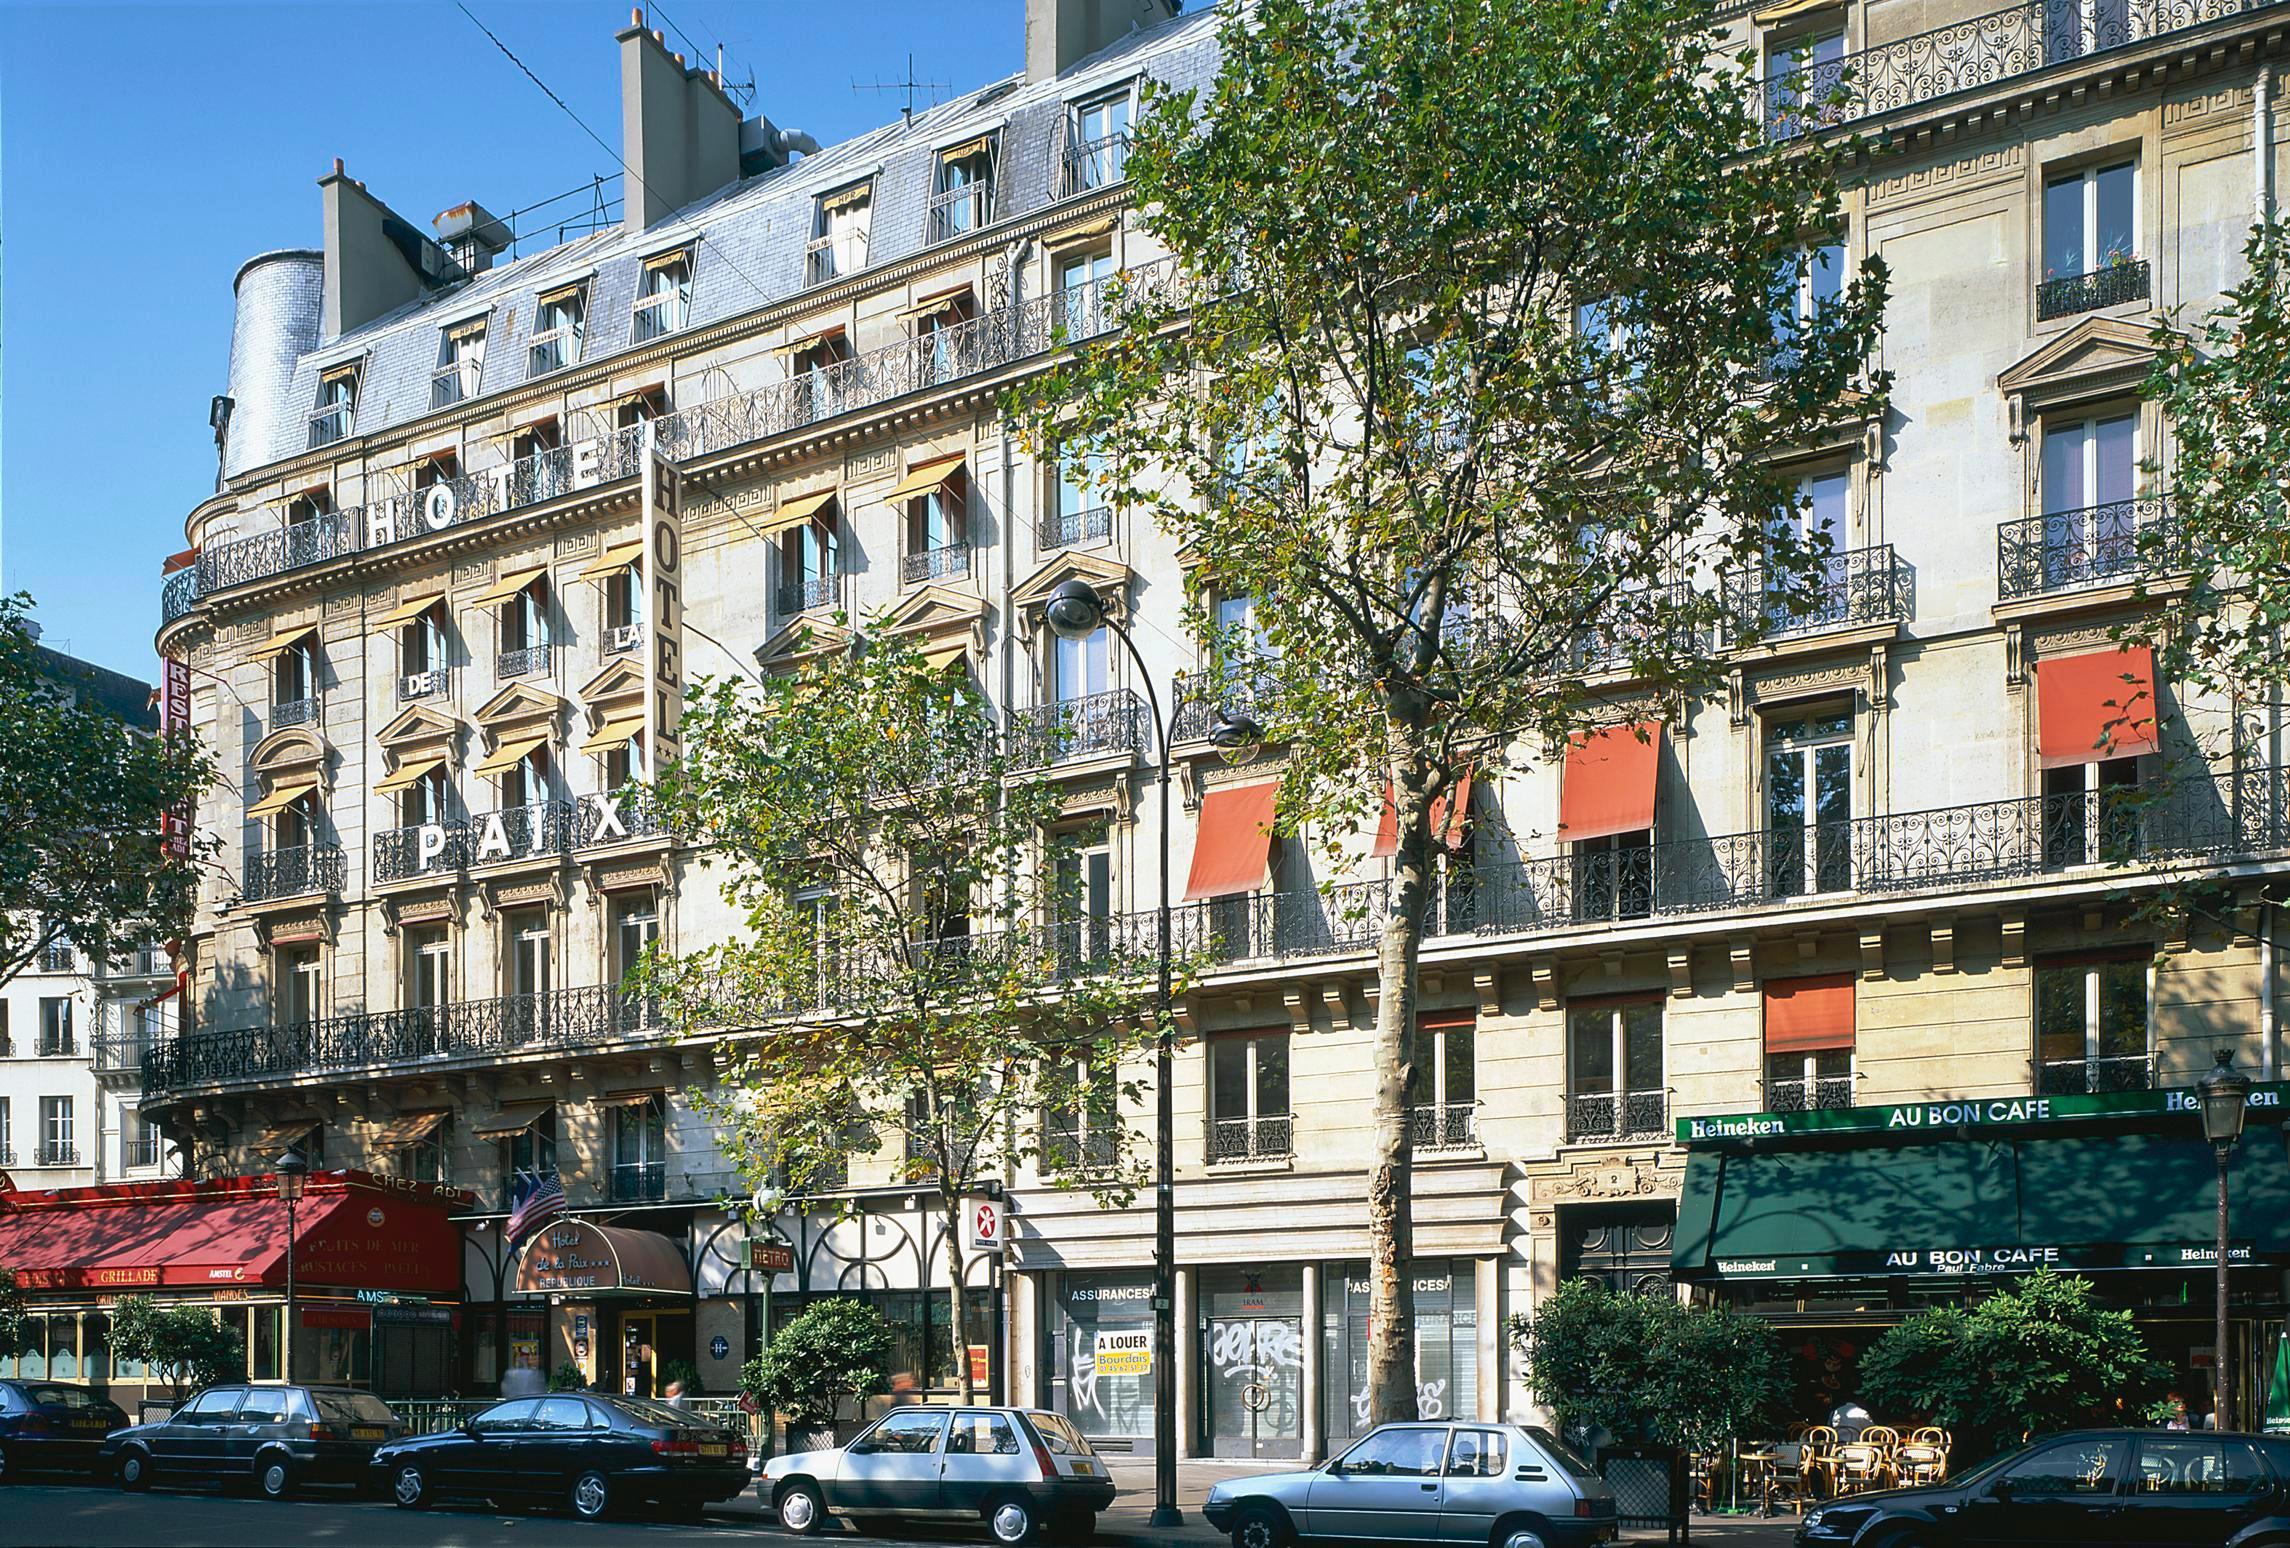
x=1061, y=33
x=376, y=260
x=472, y=234
x=679, y=133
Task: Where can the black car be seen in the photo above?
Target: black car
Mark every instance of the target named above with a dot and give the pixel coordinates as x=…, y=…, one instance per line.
x=52, y=1424
x=273, y=1436
x=2117, y=1488
x=585, y=1451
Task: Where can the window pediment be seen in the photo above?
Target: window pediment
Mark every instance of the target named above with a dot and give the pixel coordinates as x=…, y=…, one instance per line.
x=1109, y=578
x=799, y=641
x=419, y=729
x=295, y=749
x=936, y=612
x=520, y=706
x=620, y=680
x=2098, y=357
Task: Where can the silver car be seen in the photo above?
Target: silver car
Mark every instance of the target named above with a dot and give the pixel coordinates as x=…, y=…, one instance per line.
x=1019, y=1470
x=1499, y=1485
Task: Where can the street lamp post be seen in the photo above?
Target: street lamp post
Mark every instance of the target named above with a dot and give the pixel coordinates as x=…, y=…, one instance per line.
x=1074, y=610
x=293, y=1170
x=2225, y=1098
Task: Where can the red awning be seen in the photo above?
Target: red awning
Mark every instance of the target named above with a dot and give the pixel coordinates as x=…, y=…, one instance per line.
x=349, y=1231
x=181, y=561
x=1232, y=843
x=572, y=1254
x=2100, y=694
x=1609, y=782
x=1448, y=829
x=1804, y=1015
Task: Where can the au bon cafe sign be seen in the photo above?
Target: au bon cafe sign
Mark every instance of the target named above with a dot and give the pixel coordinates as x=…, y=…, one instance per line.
x=1943, y=1119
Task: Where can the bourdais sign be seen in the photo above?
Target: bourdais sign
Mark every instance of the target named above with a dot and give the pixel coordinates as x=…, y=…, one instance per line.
x=581, y=1255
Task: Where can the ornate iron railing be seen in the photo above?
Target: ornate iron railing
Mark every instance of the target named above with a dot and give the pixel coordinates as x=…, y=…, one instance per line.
x=56, y=1155
x=1094, y=164
x=422, y=849
x=517, y=833
x=1857, y=586
x=2067, y=550
x=7, y=1155
x=120, y=1055
x=1198, y=708
x=57, y=957
x=2110, y=1072
x=620, y=639
x=805, y=593
x=1615, y=1115
x=1449, y=1127
x=617, y=816
x=1069, y=529
x=56, y=1043
x=959, y=210
x=2113, y=285
x=935, y=563
x=1632, y=626
x=1967, y=55
x=638, y=1182
x=1800, y=1096
x=433, y=683
x=293, y=712
x=1251, y=1139
x=138, y=1152
x=1096, y=723
x=523, y=662
x=286, y=873
x=332, y=423
x=1069, y=1146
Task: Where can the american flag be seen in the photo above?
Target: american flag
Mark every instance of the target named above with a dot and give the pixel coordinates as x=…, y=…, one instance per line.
x=535, y=1199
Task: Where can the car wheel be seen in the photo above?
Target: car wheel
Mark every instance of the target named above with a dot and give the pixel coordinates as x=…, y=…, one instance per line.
x=408, y=1488
x=1517, y=1534
x=1010, y=1520
x=799, y=1509
x=591, y=1495
x=135, y=1472
x=3, y=1464
x=274, y=1476
x=1260, y=1526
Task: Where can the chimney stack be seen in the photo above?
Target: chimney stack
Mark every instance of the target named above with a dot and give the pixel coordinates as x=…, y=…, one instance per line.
x=472, y=234
x=1061, y=33
x=376, y=260
x=679, y=133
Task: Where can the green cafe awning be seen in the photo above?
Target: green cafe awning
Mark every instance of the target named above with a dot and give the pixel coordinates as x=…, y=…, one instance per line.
x=1977, y=1206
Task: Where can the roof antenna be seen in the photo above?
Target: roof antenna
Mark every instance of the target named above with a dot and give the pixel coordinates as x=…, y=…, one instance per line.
x=910, y=86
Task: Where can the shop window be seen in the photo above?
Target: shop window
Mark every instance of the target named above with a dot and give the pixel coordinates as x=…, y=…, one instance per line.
x=1615, y=1084
x=1103, y=1399
x=1249, y=1118
x=2093, y=1032
x=1442, y=1084
x=663, y=296
x=640, y=1148
x=560, y=318
x=1809, y=803
x=1441, y=1297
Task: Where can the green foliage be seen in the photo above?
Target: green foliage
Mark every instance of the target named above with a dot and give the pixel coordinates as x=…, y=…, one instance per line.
x=566, y=1378
x=684, y=1371
x=1644, y=1366
x=187, y=1345
x=2037, y=1355
x=81, y=793
x=829, y=1353
x=11, y=1314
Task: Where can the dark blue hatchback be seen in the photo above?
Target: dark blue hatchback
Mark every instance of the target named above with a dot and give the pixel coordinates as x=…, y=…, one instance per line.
x=52, y=1425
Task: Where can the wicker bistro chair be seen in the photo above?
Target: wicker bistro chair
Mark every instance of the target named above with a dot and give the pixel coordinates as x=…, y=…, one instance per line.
x=1817, y=1463
x=1932, y=1435
x=1919, y=1462
x=1861, y=1465
x=1789, y=1475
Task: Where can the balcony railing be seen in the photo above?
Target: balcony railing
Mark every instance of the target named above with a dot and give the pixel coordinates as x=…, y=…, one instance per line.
x=56, y=1043
x=638, y=1182
x=1251, y=1139
x=431, y=683
x=1001, y=337
x=527, y=661
x=1070, y=529
x=1086, y=727
x=1094, y=164
x=622, y=639
x=2068, y=550
x=939, y=563
x=293, y=712
x=57, y=957
x=2113, y=285
x=516, y=833
x=1453, y=1126
x=138, y=1153
x=514, y=1024
x=1845, y=591
x=287, y=873
x=959, y=210
x=1968, y=55
x=1070, y=1146
x=56, y=1155
x=2094, y=1076
x=1637, y=623
x=1616, y=1115
x=805, y=593
x=121, y=1055
x=1802, y=1096
x=332, y=423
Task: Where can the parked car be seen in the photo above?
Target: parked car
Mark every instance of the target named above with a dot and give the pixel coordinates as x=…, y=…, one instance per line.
x=1508, y=1485
x=583, y=1450
x=1018, y=1470
x=275, y=1436
x=52, y=1425
x=2132, y=1488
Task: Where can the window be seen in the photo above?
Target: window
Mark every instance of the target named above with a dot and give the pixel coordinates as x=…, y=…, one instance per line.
x=421, y=642
x=139, y=1141
x=635, y=930
x=2073, y=28
x=2091, y=241
x=294, y=828
x=429, y=966
x=1798, y=1082
x=2190, y=1465
x=2092, y=1026
x=640, y=408
x=2091, y=811
x=624, y=763
x=530, y=951
x=7, y=1136
x=1078, y=667
x=1804, y=286
x=964, y=198
x=1402, y=1452
x=1442, y=1083
x=2090, y=481
x=293, y=682
x=56, y=1146
x=559, y=318
x=1615, y=1086
x=839, y=234
x=534, y=1147
x=912, y=1433
x=984, y=1435
x=524, y=625
x=663, y=296
x=428, y=1158
x=525, y=783
x=1613, y=875
x=808, y=564
x=1802, y=77
x=2087, y=1466
x=460, y=363
x=297, y=983
x=1098, y=154
x=940, y=331
x=1818, y=521
x=1081, y=1124
x=425, y=801
x=1082, y=896
x=337, y=409
x=55, y=1026
x=640, y=1148
x=624, y=599
x=1248, y=1098
x=1479, y=1454
x=1078, y=511
x=937, y=540
x=1809, y=803
x=1081, y=299
x=815, y=367
x=437, y=468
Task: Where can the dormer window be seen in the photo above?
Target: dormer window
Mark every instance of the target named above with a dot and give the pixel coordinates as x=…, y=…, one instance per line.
x=559, y=319
x=964, y=198
x=638, y=407
x=460, y=363
x=337, y=409
x=1097, y=150
x=663, y=296
x=839, y=234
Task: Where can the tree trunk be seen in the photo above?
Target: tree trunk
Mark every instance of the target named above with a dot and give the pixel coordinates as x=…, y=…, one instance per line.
x=1391, y=1226
x=956, y=1334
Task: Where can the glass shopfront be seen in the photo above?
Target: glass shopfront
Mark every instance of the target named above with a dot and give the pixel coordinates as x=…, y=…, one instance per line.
x=1252, y=1361
x=1101, y=1354
x=1446, y=1346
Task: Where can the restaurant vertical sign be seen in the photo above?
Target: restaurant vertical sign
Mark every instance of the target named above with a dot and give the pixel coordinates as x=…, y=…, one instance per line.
x=174, y=721
x=663, y=575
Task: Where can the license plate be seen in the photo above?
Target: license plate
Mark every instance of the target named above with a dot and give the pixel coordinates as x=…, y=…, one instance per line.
x=89, y=1424
x=368, y=1432
x=1086, y=1469
x=707, y=1450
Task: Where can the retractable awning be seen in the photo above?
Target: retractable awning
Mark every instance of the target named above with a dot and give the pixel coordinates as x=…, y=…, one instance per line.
x=1608, y=785
x=1806, y=1015
x=614, y=559
x=796, y=510
x=283, y=641
x=926, y=476
x=1232, y=843
x=508, y=755
x=408, y=774
x=510, y=584
x=612, y=733
x=2097, y=694
x=282, y=796
x=406, y=1129
x=410, y=609
x=513, y=1118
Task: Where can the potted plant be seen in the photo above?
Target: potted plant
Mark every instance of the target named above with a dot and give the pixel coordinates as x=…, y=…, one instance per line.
x=829, y=1354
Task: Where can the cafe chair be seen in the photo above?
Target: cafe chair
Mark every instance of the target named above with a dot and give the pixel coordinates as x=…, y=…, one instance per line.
x=1860, y=1465
x=1919, y=1462
x=1788, y=1478
x=1818, y=1462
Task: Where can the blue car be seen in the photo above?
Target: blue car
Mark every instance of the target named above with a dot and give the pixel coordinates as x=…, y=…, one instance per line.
x=53, y=1425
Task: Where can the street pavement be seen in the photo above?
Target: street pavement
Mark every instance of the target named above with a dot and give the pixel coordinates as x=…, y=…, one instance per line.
x=70, y=1514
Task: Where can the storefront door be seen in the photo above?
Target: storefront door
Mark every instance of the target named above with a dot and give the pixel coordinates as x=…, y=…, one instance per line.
x=1101, y=1358
x=639, y=1354
x=1256, y=1386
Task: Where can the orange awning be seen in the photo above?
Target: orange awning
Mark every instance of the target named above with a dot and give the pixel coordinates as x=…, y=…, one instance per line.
x=1803, y=1015
x=1608, y=786
x=1232, y=843
x=2100, y=695
x=1448, y=818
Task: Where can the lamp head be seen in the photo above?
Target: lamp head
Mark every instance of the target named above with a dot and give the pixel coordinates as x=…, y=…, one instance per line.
x=293, y=1169
x=1234, y=729
x=2225, y=1094
x=767, y=1199
x=1073, y=610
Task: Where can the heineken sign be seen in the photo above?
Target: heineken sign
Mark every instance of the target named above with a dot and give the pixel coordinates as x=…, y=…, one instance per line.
x=2269, y=1100
x=1972, y=1262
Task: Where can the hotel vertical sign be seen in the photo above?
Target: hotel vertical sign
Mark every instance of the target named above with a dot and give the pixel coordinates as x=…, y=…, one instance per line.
x=663, y=576
x=174, y=721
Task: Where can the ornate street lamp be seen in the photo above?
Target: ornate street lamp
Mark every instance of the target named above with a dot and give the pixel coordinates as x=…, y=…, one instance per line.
x=293, y=1169
x=1073, y=611
x=2225, y=1098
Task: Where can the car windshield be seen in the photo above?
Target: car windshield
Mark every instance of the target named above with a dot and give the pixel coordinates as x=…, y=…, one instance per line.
x=61, y=1397
x=354, y=1408
x=1561, y=1453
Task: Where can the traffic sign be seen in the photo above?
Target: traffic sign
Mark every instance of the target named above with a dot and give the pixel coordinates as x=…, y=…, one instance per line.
x=986, y=1224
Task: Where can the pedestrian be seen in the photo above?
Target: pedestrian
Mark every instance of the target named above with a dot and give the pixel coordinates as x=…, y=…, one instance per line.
x=1849, y=1419
x=523, y=1379
x=2175, y=1410
x=675, y=1396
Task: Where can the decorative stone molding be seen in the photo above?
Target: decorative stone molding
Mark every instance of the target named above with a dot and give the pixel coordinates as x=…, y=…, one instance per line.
x=2097, y=357
x=1872, y=952
x=1544, y=971
x=499, y=895
x=1299, y=1008
x=342, y=604
x=2227, y=99
x=1999, y=165
x=1681, y=957
x=1741, y=951
x=575, y=545
x=2015, y=938
x=1488, y=980
x=1942, y=929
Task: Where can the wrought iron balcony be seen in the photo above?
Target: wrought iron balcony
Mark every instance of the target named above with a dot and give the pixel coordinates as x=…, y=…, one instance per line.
x=137, y=1153
x=616, y=816
x=121, y=1055
x=833, y=257
x=1454, y=1126
x=423, y=849
x=1801, y=1096
x=527, y=661
x=1094, y=164
x=2063, y=551
x=56, y=1155
x=58, y=957
x=1616, y=1115
x=1087, y=727
x=287, y=873
x=56, y=1043
x=1071, y=529
x=1637, y=622
x=960, y=210
x=1847, y=590
x=431, y=683
x=805, y=593
x=1968, y=55
x=2070, y=294
x=1251, y=1139
x=501, y=1028
x=332, y=423
x=638, y=1182
x=293, y=712
x=935, y=563
x=623, y=639
x=516, y=833
x=1068, y=1146
x=449, y=384
x=2078, y=1077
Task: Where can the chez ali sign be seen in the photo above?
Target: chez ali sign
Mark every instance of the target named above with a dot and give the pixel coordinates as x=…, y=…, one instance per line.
x=2267, y=1101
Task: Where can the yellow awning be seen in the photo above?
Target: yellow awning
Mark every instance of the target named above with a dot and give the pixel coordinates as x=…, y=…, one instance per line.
x=508, y=755
x=934, y=301
x=512, y=583
x=923, y=477
x=513, y=1118
x=967, y=149
x=943, y=657
x=407, y=775
x=844, y=198
x=612, y=733
x=285, y=640
x=1790, y=8
x=410, y=1129
x=795, y=512
x=614, y=559
x=410, y=609
x=282, y=796
x=279, y=1135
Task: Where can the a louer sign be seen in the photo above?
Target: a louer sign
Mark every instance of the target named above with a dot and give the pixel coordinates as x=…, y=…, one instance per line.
x=2267, y=1100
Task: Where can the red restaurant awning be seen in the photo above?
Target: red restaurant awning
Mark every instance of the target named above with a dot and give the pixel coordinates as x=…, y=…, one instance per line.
x=351, y=1230
x=1608, y=786
x=2081, y=698
x=1805, y=1015
x=1448, y=817
x=1232, y=844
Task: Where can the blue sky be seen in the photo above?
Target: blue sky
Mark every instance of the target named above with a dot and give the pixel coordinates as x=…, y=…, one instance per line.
x=147, y=150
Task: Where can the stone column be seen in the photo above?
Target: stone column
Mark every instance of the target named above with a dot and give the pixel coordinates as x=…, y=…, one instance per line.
x=1021, y=1351
x=1487, y=1294
x=1315, y=1438
x=1187, y=1363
